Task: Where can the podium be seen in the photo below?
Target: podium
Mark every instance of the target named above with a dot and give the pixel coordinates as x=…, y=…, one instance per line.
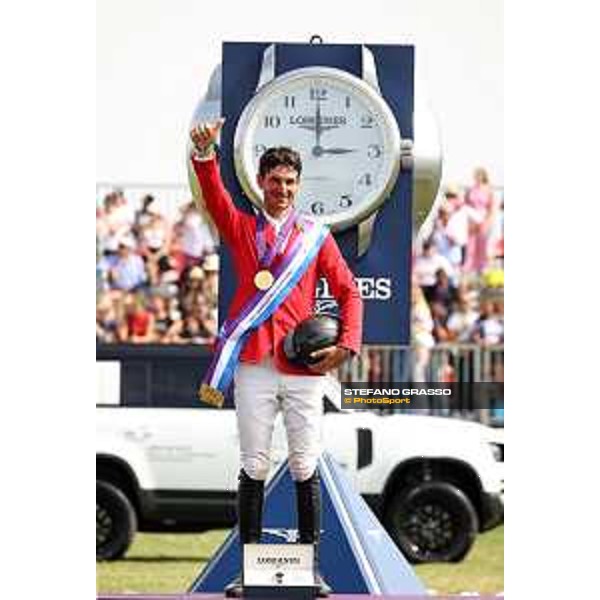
x=357, y=556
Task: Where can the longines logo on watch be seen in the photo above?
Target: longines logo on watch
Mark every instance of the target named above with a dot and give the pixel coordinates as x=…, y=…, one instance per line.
x=311, y=119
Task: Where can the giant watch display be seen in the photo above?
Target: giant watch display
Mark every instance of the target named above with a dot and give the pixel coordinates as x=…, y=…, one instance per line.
x=345, y=132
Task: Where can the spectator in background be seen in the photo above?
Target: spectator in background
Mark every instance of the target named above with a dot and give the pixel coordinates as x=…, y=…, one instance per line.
x=451, y=231
x=439, y=315
x=154, y=235
x=469, y=290
x=497, y=232
x=488, y=329
x=203, y=312
x=107, y=322
x=192, y=293
x=102, y=232
x=194, y=236
x=443, y=291
x=138, y=325
x=493, y=277
x=126, y=271
x=113, y=222
x=421, y=330
x=192, y=331
x=164, y=276
x=480, y=199
x=427, y=265
x=142, y=217
x=211, y=279
x=461, y=322
x=499, y=312
x=165, y=320
x=122, y=208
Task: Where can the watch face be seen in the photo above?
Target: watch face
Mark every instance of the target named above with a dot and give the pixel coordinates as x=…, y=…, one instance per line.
x=346, y=135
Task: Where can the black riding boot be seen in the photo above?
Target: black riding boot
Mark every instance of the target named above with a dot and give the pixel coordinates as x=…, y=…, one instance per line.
x=250, y=508
x=308, y=502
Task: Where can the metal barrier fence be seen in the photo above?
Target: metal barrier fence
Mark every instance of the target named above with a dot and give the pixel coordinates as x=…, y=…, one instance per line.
x=446, y=362
x=461, y=363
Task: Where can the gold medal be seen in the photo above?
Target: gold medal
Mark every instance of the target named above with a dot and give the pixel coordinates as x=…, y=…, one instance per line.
x=264, y=279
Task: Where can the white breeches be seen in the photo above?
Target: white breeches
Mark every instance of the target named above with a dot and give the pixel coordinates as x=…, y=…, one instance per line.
x=260, y=393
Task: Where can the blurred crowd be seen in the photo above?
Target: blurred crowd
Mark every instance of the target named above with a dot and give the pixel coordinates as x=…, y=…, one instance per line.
x=458, y=273
x=156, y=280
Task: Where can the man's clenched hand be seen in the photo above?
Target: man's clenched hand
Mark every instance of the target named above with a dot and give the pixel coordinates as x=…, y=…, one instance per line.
x=331, y=358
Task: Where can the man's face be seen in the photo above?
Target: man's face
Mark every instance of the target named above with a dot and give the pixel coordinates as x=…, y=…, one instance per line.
x=280, y=186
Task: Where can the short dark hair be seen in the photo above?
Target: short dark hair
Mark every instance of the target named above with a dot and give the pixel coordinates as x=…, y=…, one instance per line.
x=282, y=155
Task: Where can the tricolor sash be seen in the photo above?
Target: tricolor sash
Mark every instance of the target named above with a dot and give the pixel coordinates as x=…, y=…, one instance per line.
x=258, y=309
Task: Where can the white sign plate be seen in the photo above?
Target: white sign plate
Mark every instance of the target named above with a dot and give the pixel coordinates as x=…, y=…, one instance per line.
x=278, y=565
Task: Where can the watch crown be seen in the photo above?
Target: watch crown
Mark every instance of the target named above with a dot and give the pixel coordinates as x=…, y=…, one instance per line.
x=407, y=159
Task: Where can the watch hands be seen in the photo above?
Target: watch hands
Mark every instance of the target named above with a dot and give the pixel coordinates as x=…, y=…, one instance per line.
x=319, y=150
x=312, y=127
x=338, y=150
x=318, y=127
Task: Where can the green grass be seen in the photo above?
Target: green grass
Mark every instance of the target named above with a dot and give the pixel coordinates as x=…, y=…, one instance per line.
x=169, y=563
x=165, y=563
x=481, y=571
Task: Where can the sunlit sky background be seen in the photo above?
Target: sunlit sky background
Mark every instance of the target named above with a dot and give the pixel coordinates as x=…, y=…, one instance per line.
x=154, y=58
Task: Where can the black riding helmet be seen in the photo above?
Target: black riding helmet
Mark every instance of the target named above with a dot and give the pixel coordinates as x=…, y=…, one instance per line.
x=312, y=334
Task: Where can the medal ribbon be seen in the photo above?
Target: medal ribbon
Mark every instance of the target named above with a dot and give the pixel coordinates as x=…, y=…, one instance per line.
x=267, y=255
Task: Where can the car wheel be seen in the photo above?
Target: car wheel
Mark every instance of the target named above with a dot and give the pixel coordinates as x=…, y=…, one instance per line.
x=432, y=522
x=115, y=522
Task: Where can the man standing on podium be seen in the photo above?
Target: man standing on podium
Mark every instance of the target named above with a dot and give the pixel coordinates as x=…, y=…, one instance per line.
x=279, y=256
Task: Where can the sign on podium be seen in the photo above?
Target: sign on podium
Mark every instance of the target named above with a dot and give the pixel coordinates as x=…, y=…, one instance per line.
x=279, y=571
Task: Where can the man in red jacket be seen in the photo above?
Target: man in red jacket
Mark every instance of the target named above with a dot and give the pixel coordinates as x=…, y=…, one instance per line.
x=279, y=257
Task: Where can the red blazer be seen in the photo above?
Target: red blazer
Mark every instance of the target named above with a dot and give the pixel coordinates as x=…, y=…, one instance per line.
x=238, y=230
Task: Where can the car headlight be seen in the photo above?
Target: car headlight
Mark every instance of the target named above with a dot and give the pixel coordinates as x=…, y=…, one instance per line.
x=497, y=451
